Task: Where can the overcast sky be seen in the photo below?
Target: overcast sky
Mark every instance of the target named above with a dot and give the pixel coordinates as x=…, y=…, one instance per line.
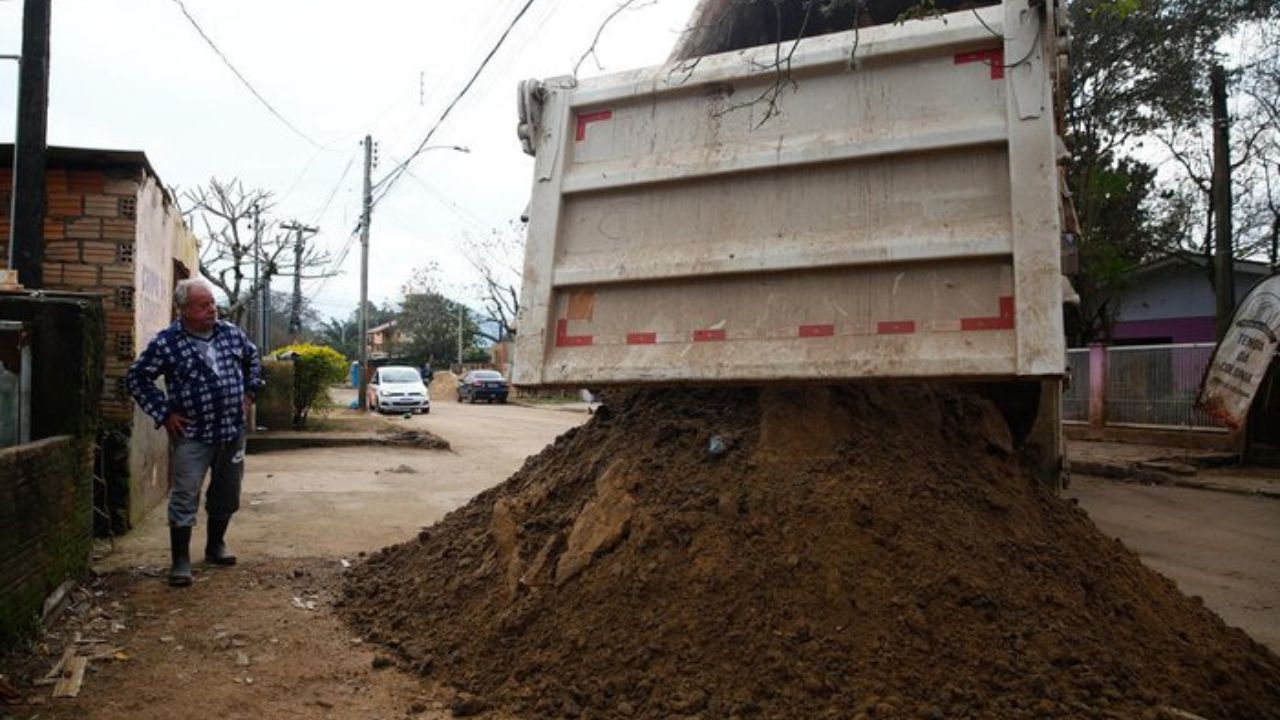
x=135, y=75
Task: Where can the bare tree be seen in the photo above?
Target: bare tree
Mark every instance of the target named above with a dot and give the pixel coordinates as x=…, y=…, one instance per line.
x=496, y=258
x=235, y=228
x=719, y=26
x=1255, y=153
x=595, y=42
x=1260, y=88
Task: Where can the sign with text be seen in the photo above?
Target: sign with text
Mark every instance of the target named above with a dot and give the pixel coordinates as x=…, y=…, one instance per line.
x=1242, y=358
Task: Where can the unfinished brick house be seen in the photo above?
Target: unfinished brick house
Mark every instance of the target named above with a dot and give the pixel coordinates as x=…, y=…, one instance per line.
x=112, y=229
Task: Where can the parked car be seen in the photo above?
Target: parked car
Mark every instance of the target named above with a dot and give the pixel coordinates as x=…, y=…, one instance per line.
x=398, y=388
x=483, y=385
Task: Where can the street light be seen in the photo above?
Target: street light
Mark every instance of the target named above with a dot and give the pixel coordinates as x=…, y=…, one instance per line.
x=390, y=179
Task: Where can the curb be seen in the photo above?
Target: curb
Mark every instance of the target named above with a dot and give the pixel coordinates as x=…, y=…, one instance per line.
x=273, y=442
x=1134, y=475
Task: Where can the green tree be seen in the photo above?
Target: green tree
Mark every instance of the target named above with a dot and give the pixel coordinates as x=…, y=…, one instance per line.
x=343, y=335
x=428, y=321
x=1121, y=235
x=315, y=368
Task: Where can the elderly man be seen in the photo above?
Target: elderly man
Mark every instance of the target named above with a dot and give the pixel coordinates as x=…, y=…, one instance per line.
x=211, y=374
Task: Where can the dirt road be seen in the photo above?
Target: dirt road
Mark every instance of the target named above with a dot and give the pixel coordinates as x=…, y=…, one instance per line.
x=341, y=501
x=262, y=641
x=1220, y=547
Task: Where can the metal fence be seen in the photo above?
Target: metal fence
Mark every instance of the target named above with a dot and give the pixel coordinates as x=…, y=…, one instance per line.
x=1155, y=385
x=1075, y=399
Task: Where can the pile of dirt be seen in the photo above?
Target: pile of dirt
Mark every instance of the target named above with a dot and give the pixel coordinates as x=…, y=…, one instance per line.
x=420, y=439
x=444, y=386
x=797, y=553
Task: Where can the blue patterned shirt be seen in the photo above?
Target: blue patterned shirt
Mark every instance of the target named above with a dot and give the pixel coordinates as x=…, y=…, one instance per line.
x=213, y=399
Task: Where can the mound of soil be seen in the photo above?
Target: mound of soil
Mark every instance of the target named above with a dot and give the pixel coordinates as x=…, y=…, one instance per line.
x=869, y=552
x=444, y=386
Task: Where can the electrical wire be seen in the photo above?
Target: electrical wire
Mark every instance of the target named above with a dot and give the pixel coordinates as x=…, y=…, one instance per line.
x=460, y=212
x=335, y=266
x=332, y=193
x=389, y=180
x=208, y=40
x=984, y=23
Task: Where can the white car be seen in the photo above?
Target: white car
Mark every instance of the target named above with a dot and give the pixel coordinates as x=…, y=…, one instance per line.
x=398, y=388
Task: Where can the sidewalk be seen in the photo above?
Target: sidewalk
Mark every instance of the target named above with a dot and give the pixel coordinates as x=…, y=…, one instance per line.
x=1157, y=465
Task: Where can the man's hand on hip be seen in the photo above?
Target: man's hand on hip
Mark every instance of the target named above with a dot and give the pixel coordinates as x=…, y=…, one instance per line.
x=176, y=425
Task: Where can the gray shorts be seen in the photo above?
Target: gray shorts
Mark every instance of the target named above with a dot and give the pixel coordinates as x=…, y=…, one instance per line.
x=191, y=461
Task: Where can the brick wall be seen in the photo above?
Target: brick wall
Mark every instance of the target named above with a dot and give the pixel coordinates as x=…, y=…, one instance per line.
x=46, y=521
x=90, y=231
x=112, y=230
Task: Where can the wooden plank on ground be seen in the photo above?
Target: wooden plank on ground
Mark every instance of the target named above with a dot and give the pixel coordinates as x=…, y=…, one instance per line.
x=56, y=671
x=72, y=677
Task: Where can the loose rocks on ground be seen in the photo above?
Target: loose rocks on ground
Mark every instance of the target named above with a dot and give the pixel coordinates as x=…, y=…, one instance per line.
x=854, y=552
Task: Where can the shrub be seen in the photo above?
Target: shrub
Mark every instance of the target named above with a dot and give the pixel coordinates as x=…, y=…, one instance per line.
x=315, y=368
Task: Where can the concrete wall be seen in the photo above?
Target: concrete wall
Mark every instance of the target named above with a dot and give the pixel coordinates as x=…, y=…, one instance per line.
x=111, y=230
x=46, y=487
x=46, y=526
x=275, y=402
x=66, y=360
x=162, y=238
x=1171, y=330
x=1174, y=304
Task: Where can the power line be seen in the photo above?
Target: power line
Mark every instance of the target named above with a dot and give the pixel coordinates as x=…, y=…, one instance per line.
x=242, y=78
x=332, y=193
x=389, y=180
x=335, y=267
x=463, y=214
x=341, y=257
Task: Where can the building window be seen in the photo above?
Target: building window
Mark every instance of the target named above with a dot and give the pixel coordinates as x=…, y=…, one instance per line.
x=128, y=207
x=124, y=346
x=122, y=389
x=124, y=298
x=124, y=253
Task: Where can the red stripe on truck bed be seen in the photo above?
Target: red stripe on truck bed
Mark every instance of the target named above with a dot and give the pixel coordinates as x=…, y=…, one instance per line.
x=642, y=338
x=709, y=335
x=564, y=339
x=588, y=118
x=1003, y=322
x=901, y=327
x=817, y=331
x=994, y=58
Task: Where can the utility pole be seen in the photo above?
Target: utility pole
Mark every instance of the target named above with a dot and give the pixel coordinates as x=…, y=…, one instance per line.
x=264, y=311
x=1224, y=262
x=27, y=210
x=255, y=319
x=295, y=311
x=459, y=336
x=366, y=212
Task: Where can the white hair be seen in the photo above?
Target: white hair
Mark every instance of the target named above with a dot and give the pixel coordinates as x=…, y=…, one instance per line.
x=183, y=289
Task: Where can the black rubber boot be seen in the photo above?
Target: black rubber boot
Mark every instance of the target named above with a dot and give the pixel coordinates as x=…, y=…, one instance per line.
x=215, y=549
x=180, y=549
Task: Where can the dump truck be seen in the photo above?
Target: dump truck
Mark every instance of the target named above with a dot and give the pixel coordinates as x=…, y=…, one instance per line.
x=884, y=203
